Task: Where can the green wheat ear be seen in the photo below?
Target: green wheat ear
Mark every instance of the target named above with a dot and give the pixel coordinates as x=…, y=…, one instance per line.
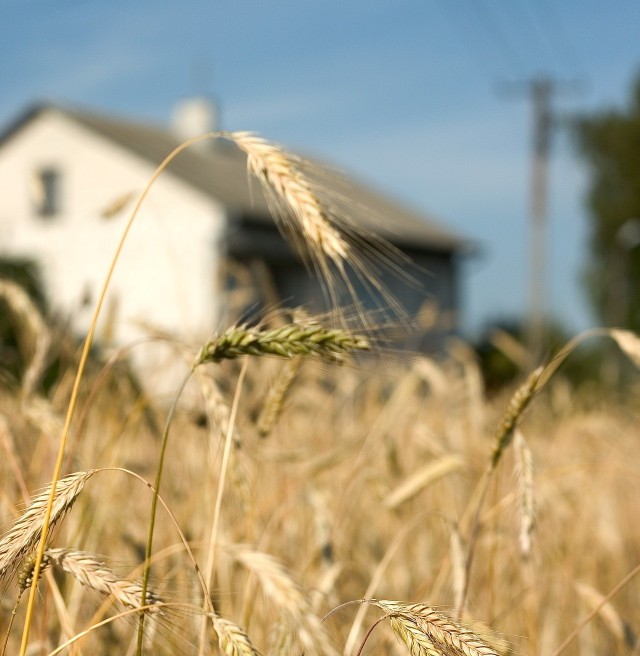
x=285, y=341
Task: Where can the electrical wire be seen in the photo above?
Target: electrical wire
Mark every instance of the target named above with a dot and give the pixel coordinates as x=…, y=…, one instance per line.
x=553, y=26
x=499, y=36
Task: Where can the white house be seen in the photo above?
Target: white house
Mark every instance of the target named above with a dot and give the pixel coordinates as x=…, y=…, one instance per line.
x=63, y=173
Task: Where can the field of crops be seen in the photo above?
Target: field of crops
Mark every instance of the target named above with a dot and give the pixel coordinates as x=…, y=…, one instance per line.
x=316, y=494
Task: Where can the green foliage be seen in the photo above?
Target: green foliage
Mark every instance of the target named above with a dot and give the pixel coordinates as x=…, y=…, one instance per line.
x=609, y=141
x=598, y=365
x=498, y=369
x=25, y=273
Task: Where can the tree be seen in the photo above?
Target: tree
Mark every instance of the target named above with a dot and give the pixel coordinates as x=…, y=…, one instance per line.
x=610, y=143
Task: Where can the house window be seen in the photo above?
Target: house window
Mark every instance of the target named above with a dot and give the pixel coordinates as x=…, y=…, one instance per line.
x=46, y=192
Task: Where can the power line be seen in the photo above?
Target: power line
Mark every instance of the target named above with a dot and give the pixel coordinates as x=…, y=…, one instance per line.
x=499, y=36
x=536, y=30
x=460, y=29
x=552, y=25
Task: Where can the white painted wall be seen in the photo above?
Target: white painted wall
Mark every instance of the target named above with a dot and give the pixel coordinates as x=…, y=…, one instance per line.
x=167, y=275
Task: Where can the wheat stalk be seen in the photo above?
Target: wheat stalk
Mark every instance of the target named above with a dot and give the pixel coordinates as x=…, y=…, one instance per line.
x=286, y=341
x=25, y=532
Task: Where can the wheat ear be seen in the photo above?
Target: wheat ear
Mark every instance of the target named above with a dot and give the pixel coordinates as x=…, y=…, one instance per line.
x=413, y=636
x=283, y=179
x=447, y=637
x=285, y=341
x=232, y=640
x=311, y=211
x=297, y=616
x=274, y=403
x=516, y=406
x=526, y=498
x=94, y=574
x=629, y=343
x=25, y=532
x=25, y=573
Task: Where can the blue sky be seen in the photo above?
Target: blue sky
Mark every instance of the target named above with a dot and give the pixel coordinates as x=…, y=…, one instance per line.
x=404, y=94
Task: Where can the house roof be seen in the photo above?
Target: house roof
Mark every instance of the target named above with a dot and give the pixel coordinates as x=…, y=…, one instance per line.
x=221, y=173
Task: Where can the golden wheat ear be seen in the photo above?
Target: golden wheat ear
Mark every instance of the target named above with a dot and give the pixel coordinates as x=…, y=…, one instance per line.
x=297, y=621
x=430, y=633
x=311, y=212
x=91, y=572
x=232, y=639
x=25, y=532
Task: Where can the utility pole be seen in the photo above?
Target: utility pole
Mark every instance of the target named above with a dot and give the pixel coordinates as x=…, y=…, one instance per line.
x=540, y=91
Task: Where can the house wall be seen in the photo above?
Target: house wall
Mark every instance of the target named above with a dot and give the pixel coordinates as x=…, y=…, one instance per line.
x=167, y=275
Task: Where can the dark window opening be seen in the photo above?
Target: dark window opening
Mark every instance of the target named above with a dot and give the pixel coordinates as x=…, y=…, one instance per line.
x=47, y=192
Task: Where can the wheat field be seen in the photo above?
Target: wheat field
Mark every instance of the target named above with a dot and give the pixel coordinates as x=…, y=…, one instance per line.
x=311, y=492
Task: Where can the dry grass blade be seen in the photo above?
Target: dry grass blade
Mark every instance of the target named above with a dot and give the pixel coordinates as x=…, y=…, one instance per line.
x=232, y=640
x=25, y=533
x=94, y=574
x=449, y=638
x=286, y=342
